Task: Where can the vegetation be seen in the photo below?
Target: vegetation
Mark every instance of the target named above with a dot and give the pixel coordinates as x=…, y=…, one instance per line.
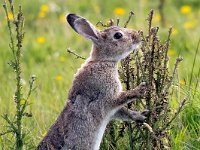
x=45, y=55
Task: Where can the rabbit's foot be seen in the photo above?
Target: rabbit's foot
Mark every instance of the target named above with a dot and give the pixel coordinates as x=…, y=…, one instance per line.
x=129, y=96
x=140, y=117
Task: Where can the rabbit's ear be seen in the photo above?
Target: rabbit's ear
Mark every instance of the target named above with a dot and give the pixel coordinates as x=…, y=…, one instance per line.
x=82, y=26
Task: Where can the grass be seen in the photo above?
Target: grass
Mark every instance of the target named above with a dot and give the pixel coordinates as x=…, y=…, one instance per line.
x=54, y=68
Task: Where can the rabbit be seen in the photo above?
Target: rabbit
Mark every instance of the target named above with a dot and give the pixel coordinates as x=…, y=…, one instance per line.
x=96, y=96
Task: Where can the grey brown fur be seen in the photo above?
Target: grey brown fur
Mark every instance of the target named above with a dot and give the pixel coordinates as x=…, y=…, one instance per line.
x=96, y=96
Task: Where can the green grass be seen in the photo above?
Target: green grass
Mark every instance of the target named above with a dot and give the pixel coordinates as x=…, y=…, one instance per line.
x=50, y=59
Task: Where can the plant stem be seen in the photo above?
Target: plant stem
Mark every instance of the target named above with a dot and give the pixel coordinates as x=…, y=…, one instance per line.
x=19, y=141
x=195, y=56
x=16, y=46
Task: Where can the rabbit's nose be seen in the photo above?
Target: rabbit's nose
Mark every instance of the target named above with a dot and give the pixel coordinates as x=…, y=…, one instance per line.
x=136, y=37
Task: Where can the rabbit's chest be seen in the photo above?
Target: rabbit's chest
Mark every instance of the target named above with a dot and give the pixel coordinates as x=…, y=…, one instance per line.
x=97, y=82
x=109, y=83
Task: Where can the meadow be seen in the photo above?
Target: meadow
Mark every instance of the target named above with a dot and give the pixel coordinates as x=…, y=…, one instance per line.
x=45, y=56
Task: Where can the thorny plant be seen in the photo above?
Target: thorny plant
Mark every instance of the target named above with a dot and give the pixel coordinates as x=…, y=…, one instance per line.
x=149, y=65
x=14, y=124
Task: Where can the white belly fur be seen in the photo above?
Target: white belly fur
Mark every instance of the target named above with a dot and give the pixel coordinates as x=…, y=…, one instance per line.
x=102, y=128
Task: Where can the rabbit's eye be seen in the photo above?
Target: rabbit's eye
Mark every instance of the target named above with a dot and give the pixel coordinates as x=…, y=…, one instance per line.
x=118, y=35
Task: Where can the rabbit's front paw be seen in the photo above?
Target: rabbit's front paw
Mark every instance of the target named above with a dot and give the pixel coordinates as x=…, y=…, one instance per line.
x=141, y=89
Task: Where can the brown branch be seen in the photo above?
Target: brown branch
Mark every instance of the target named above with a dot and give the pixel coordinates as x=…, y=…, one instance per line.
x=117, y=22
x=149, y=19
x=166, y=56
x=129, y=18
x=108, y=24
x=75, y=54
x=178, y=60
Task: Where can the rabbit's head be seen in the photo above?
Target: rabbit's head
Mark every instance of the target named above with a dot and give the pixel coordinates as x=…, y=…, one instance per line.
x=112, y=44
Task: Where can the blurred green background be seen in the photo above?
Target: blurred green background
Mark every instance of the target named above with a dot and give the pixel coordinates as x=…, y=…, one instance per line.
x=44, y=55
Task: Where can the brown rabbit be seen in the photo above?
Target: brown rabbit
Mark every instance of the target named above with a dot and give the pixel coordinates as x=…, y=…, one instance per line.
x=96, y=96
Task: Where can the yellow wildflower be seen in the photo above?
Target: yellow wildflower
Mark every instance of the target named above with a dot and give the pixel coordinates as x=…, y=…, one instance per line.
x=62, y=18
x=41, y=14
x=169, y=132
x=119, y=11
x=44, y=8
x=10, y=16
x=189, y=25
x=97, y=9
x=185, y=9
x=44, y=134
x=22, y=101
x=156, y=18
x=171, y=52
x=182, y=82
x=174, y=31
x=62, y=59
x=58, y=77
x=40, y=39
